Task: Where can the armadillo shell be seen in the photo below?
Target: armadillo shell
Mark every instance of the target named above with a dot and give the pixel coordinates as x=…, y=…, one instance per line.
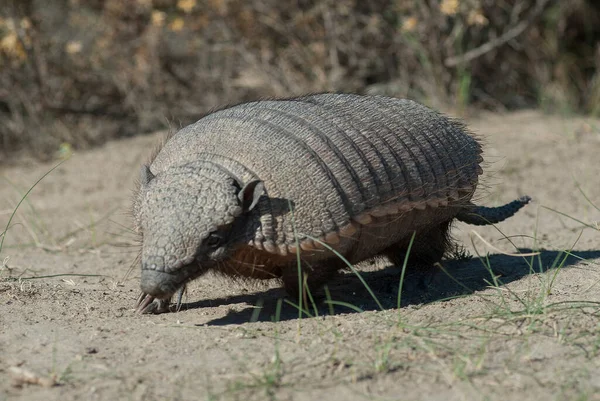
x=340, y=160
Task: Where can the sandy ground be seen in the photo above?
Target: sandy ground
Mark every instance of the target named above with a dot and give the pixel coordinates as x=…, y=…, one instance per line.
x=527, y=329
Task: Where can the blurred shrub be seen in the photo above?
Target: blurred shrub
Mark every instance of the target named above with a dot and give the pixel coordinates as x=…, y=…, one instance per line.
x=79, y=72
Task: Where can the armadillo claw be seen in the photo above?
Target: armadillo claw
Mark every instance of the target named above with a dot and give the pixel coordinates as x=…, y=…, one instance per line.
x=148, y=304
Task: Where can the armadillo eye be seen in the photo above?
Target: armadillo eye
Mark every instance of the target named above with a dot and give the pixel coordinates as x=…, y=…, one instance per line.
x=214, y=240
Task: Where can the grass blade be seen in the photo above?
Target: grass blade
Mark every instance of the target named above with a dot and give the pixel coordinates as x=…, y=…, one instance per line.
x=22, y=199
x=400, y=285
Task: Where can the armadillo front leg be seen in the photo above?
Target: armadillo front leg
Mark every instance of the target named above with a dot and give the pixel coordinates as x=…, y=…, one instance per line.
x=313, y=276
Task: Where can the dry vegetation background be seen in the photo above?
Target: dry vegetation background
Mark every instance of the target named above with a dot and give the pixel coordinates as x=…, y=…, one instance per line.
x=75, y=73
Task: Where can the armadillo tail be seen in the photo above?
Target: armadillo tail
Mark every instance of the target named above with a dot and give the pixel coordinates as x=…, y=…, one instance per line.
x=480, y=215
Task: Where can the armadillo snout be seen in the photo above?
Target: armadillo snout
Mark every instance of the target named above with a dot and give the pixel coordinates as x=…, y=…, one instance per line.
x=159, y=284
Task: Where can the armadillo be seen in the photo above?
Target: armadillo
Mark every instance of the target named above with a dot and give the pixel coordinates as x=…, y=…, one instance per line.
x=253, y=189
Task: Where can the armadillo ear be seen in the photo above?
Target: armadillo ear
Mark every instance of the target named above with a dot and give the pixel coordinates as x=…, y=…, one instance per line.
x=250, y=194
x=145, y=175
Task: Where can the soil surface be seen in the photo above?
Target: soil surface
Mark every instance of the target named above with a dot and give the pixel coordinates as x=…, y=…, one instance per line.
x=499, y=327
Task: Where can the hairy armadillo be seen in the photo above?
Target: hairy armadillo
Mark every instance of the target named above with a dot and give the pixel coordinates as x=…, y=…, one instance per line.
x=247, y=189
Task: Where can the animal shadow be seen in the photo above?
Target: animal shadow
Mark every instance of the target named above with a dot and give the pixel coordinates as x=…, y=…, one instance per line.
x=457, y=278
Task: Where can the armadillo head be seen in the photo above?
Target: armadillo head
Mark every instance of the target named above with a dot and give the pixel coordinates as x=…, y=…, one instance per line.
x=191, y=218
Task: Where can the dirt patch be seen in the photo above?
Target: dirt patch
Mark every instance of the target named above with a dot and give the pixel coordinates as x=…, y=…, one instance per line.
x=499, y=327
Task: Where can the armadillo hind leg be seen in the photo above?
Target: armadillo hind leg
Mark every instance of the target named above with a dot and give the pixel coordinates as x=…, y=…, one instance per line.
x=480, y=215
x=428, y=247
